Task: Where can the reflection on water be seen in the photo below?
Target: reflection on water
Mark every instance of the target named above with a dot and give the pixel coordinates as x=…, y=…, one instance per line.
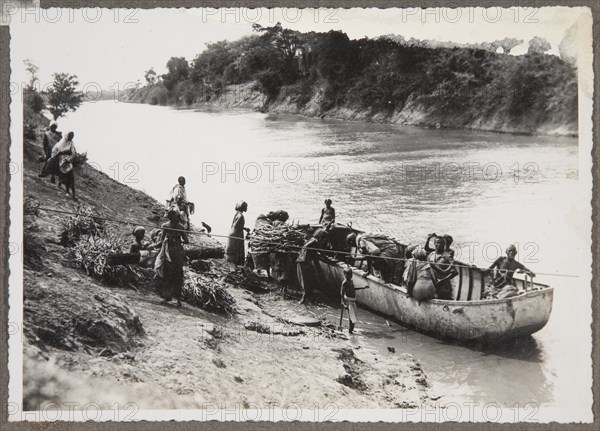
x=486, y=190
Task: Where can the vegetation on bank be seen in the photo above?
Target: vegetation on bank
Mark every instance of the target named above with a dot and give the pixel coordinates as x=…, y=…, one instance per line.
x=383, y=79
x=58, y=99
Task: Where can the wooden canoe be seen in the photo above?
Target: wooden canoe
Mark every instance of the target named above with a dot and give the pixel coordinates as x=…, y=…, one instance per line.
x=465, y=319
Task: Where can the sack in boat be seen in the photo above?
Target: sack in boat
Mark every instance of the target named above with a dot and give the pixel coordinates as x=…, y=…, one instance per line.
x=424, y=289
x=508, y=292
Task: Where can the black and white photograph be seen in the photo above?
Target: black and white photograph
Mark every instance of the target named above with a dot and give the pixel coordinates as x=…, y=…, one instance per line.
x=300, y=214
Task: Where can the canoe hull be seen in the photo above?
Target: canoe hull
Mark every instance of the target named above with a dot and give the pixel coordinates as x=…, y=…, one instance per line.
x=457, y=320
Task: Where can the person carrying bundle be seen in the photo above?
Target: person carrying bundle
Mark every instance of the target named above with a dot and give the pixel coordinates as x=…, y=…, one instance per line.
x=61, y=164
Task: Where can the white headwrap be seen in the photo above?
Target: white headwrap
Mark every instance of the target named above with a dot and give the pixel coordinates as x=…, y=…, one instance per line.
x=63, y=145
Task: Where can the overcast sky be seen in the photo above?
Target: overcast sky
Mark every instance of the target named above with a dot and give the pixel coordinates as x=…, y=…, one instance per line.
x=113, y=47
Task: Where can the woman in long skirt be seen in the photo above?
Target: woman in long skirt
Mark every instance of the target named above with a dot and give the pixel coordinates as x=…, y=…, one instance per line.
x=170, y=260
x=235, y=243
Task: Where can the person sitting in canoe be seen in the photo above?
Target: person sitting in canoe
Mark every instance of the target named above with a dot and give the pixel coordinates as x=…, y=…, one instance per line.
x=381, y=253
x=442, y=268
x=503, y=269
x=419, y=277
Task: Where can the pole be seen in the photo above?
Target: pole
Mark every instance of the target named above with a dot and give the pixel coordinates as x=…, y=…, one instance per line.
x=341, y=317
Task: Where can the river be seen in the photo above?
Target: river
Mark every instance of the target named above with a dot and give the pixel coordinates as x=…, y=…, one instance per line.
x=487, y=190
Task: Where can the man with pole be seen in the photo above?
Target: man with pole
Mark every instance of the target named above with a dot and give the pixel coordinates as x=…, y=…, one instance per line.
x=348, y=295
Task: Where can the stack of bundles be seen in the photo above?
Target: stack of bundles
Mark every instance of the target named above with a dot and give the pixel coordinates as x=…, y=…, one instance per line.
x=81, y=224
x=246, y=279
x=93, y=254
x=282, y=238
x=210, y=296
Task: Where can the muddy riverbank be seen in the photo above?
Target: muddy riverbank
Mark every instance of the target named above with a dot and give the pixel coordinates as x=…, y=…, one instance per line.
x=90, y=342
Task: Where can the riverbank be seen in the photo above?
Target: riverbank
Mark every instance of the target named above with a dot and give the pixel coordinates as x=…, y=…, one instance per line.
x=414, y=113
x=90, y=342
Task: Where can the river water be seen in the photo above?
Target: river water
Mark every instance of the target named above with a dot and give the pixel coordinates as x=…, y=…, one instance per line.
x=487, y=190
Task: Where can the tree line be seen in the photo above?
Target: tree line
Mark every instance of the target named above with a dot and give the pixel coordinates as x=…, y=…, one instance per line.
x=380, y=75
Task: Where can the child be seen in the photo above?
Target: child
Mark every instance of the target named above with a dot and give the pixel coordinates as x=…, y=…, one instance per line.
x=348, y=294
x=327, y=213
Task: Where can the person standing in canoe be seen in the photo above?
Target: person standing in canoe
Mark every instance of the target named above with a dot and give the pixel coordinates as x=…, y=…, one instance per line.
x=327, y=213
x=442, y=269
x=171, y=258
x=448, y=240
x=235, y=242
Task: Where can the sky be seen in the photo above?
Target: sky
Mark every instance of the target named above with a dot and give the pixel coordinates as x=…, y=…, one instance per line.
x=114, y=47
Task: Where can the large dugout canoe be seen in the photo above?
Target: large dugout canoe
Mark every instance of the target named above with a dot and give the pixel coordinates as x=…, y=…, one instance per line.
x=465, y=319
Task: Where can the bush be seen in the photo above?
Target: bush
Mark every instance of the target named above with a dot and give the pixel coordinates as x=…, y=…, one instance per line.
x=33, y=100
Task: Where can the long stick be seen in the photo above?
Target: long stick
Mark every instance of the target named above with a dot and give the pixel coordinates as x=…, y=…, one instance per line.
x=341, y=317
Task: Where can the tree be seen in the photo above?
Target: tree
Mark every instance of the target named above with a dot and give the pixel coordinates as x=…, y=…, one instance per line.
x=283, y=39
x=150, y=76
x=32, y=69
x=538, y=45
x=178, y=71
x=32, y=99
x=63, y=95
x=507, y=44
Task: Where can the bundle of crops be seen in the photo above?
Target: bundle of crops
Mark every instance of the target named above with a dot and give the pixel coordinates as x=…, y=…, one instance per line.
x=210, y=296
x=79, y=159
x=81, y=224
x=283, y=238
x=93, y=254
x=245, y=278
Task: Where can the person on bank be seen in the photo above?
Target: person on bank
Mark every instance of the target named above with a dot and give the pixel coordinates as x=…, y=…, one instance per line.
x=178, y=197
x=171, y=258
x=178, y=191
x=503, y=269
x=348, y=296
x=51, y=138
x=327, y=213
x=442, y=269
x=235, y=252
x=61, y=165
x=307, y=263
x=143, y=248
x=381, y=253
